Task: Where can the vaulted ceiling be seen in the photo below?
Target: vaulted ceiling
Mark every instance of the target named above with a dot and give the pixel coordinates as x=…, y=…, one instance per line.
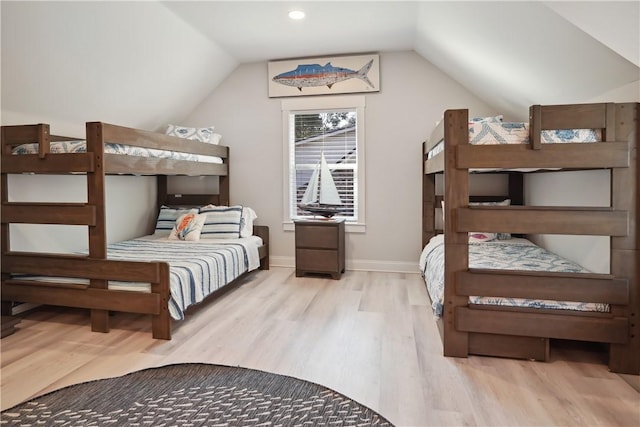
x=153, y=62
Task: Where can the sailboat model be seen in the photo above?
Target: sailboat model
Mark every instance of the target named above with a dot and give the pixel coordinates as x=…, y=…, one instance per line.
x=321, y=196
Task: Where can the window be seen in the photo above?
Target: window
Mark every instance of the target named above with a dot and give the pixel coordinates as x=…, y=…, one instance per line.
x=324, y=151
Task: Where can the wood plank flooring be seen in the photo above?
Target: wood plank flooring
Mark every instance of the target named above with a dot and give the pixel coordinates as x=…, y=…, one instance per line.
x=370, y=336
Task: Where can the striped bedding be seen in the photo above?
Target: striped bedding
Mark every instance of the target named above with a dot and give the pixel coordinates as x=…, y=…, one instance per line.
x=80, y=146
x=512, y=254
x=196, y=269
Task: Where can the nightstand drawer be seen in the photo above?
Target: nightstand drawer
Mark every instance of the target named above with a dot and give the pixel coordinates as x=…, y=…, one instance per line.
x=317, y=260
x=320, y=237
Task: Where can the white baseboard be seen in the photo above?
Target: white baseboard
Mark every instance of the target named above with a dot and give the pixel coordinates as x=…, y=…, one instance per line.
x=357, y=265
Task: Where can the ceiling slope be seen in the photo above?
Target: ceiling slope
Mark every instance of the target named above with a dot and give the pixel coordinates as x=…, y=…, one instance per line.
x=514, y=54
x=146, y=63
x=132, y=63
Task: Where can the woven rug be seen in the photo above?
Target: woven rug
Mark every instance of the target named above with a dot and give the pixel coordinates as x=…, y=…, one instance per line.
x=193, y=395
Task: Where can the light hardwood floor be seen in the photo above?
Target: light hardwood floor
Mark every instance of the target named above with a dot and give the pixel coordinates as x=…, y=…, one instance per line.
x=370, y=336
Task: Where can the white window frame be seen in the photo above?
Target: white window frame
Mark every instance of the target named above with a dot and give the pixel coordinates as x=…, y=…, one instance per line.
x=316, y=103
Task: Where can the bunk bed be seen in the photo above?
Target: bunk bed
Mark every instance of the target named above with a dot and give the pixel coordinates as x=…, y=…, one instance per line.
x=470, y=326
x=85, y=280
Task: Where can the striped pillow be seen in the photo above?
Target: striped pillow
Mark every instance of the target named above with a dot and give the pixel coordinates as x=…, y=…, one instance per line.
x=167, y=218
x=223, y=222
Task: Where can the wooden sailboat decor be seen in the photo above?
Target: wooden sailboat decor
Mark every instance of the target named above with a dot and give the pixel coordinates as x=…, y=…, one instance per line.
x=321, y=196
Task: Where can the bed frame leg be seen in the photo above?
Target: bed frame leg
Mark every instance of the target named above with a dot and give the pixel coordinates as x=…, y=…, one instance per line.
x=6, y=308
x=100, y=320
x=161, y=326
x=161, y=322
x=625, y=359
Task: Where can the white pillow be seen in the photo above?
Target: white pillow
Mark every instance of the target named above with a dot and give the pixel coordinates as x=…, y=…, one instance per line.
x=222, y=222
x=246, y=222
x=197, y=134
x=188, y=227
x=167, y=218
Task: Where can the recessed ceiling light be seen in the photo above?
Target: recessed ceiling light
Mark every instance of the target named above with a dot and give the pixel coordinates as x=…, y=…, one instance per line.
x=296, y=14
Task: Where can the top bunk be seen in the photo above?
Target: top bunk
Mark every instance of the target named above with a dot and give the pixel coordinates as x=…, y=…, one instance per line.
x=109, y=148
x=577, y=136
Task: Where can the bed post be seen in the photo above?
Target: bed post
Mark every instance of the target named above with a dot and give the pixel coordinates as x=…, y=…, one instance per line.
x=223, y=184
x=5, y=306
x=428, y=201
x=98, y=231
x=456, y=195
x=625, y=251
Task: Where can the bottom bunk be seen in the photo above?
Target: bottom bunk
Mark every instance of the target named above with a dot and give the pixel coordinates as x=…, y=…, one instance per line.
x=149, y=275
x=500, y=323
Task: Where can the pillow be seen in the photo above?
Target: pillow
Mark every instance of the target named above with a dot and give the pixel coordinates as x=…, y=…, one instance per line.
x=167, y=218
x=197, y=134
x=188, y=227
x=215, y=138
x=494, y=119
x=222, y=222
x=482, y=237
x=246, y=222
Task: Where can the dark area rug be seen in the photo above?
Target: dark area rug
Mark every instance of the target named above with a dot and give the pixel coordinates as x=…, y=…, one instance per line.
x=193, y=395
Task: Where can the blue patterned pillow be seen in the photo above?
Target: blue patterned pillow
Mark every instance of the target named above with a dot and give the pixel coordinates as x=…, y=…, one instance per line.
x=222, y=222
x=199, y=134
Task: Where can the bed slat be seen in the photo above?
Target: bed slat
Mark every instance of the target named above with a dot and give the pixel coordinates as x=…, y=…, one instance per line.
x=49, y=213
x=80, y=266
x=119, y=164
x=95, y=299
x=584, y=287
x=62, y=163
x=544, y=220
x=611, y=330
x=551, y=156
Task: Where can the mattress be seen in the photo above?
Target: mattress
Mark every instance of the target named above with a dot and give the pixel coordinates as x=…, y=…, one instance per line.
x=495, y=132
x=511, y=254
x=80, y=146
x=196, y=269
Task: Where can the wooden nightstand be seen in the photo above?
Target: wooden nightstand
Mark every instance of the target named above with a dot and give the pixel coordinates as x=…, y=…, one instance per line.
x=320, y=247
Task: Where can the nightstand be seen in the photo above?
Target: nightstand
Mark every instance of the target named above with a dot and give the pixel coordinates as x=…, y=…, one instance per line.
x=320, y=247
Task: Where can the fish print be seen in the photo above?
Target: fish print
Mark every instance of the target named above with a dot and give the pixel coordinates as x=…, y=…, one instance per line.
x=312, y=75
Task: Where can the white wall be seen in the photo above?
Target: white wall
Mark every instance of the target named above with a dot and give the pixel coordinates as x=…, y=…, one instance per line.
x=413, y=96
x=579, y=188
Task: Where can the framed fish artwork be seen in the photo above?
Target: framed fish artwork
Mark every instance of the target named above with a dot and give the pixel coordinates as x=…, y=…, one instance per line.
x=324, y=75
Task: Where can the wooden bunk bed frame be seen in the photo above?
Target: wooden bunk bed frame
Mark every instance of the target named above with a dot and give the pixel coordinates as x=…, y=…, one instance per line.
x=525, y=333
x=95, y=266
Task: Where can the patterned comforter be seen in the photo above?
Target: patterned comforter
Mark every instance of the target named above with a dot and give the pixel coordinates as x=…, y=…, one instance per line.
x=497, y=132
x=109, y=148
x=512, y=254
